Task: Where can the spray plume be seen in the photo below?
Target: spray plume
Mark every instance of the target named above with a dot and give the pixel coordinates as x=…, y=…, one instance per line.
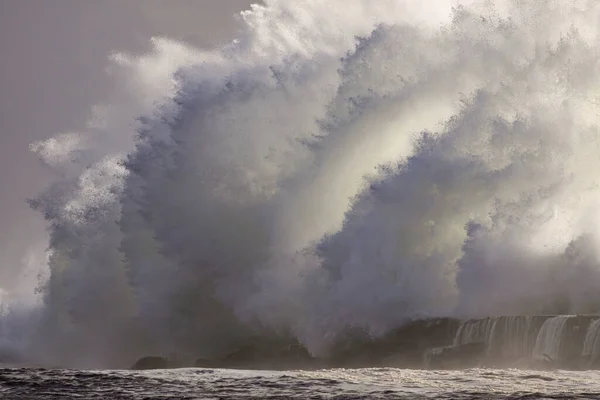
x=335, y=167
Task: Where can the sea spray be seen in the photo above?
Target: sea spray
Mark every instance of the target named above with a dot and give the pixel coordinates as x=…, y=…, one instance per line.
x=328, y=171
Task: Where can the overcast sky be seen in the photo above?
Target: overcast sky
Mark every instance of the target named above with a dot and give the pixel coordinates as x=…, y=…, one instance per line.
x=53, y=55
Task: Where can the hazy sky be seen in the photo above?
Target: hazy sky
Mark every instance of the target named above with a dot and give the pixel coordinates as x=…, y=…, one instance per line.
x=53, y=55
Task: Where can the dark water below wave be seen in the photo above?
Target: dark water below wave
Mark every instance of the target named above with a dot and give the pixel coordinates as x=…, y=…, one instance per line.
x=337, y=384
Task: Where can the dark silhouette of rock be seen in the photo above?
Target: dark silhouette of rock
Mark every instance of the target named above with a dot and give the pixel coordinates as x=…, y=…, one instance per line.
x=150, y=363
x=262, y=354
x=402, y=347
x=418, y=343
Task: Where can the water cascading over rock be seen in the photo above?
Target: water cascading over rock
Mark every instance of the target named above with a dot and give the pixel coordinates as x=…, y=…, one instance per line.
x=591, y=345
x=505, y=337
x=550, y=339
x=565, y=341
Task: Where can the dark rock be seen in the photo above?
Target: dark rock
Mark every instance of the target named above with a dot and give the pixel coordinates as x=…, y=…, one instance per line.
x=150, y=363
x=274, y=355
x=406, y=346
x=401, y=348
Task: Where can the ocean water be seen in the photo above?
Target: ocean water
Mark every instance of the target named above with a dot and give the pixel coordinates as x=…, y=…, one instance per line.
x=337, y=384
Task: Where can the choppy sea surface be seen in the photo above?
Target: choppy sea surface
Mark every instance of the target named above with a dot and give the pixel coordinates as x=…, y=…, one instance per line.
x=386, y=383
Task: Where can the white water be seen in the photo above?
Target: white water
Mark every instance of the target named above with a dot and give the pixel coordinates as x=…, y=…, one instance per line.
x=337, y=166
x=475, y=331
x=511, y=337
x=591, y=345
x=551, y=337
x=374, y=383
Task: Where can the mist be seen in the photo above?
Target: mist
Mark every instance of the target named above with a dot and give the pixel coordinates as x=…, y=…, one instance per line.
x=55, y=57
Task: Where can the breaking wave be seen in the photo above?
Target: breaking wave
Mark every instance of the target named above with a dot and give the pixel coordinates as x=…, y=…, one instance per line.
x=335, y=167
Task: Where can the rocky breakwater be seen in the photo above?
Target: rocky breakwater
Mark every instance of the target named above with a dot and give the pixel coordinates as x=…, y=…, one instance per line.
x=402, y=348
x=263, y=355
x=551, y=341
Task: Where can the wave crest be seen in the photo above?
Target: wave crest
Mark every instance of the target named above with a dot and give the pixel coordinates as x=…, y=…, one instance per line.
x=329, y=171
